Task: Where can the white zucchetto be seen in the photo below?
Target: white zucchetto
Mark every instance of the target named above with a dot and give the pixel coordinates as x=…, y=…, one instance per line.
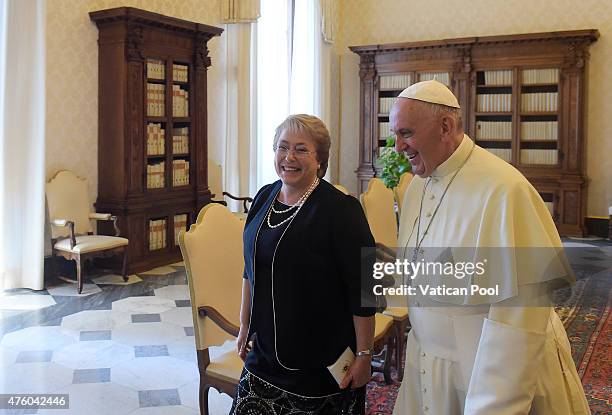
x=430, y=91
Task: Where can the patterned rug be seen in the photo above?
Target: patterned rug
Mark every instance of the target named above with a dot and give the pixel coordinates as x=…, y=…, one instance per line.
x=585, y=312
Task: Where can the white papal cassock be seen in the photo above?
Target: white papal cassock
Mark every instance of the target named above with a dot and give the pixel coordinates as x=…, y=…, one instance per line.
x=462, y=358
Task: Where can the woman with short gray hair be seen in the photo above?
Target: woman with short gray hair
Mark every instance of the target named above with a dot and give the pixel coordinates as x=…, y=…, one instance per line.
x=302, y=302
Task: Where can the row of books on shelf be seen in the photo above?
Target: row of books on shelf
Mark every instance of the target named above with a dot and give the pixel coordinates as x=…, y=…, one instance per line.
x=180, y=140
x=156, y=69
x=494, y=130
x=442, y=77
x=491, y=78
x=494, y=102
x=540, y=101
x=384, y=130
x=530, y=130
x=155, y=100
x=503, y=153
x=180, y=172
x=401, y=81
x=530, y=156
x=157, y=234
x=540, y=76
x=157, y=231
x=385, y=105
x=180, y=73
x=156, y=175
x=180, y=145
x=537, y=156
x=155, y=139
x=539, y=130
x=494, y=78
x=397, y=82
x=500, y=130
x=180, y=102
x=528, y=77
x=180, y=224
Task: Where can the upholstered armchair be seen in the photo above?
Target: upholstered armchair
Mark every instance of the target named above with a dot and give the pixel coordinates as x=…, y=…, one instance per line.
x=72, y=235
x=212, y=250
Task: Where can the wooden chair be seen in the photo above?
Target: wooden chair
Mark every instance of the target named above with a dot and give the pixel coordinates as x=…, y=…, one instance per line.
x=401, y=322
x=216, y=188
x=72, y=235
x=400, y=190
x=383, y=336
x=212, y=251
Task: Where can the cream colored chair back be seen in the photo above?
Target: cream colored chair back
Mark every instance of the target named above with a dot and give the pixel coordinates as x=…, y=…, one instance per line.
x=400, y=190
x=212, y=250
x=215, y=179
x=377, y=202
x=68, y=198
x=342, y=189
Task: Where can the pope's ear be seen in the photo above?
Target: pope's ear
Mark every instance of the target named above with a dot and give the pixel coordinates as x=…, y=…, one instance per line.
x=447, y=125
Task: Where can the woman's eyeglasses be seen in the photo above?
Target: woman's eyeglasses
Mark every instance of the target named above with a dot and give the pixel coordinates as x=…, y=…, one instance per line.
x=299, y=152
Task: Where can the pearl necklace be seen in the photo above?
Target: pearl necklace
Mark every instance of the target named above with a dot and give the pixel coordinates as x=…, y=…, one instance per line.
x=286, y=210
x=298, y=204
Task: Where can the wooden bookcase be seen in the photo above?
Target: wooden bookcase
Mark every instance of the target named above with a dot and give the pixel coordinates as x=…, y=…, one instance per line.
x=523, y=98
x=152, y=133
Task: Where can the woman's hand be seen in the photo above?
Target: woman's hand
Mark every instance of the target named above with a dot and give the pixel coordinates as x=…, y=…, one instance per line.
x=241, y=342
x=245, y=318
x=359, y=373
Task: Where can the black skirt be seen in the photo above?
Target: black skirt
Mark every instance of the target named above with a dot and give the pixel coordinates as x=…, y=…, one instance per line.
x=255, y=396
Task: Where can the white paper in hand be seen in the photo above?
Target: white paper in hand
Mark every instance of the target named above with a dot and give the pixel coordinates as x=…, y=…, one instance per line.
x=341, y=366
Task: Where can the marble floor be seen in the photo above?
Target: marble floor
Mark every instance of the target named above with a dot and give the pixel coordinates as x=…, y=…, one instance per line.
x=119, y=348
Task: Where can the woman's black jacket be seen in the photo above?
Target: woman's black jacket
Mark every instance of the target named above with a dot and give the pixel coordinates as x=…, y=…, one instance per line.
x=321, y=276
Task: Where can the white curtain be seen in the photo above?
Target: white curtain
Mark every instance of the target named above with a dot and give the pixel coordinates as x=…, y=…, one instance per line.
x=22, y=143
x=293, y=60
x=239, y=11
x=329, y=19
x=240, y=160
x=272, y=81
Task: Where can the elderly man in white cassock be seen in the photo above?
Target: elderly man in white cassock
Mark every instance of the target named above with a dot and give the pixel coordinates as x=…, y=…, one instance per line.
x=504, y=351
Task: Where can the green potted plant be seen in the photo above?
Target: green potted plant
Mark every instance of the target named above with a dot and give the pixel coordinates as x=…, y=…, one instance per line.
x=393, y=164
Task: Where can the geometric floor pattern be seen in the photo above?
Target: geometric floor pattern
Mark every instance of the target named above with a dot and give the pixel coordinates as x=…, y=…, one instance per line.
x=120, y=348
x=127, y=349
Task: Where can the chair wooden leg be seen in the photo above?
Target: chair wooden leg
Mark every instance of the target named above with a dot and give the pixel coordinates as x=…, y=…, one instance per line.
x=54, y=267
x=203, y=397
x=79, y=272
x=124, y=268
x=388, y=358
x=400, y=337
